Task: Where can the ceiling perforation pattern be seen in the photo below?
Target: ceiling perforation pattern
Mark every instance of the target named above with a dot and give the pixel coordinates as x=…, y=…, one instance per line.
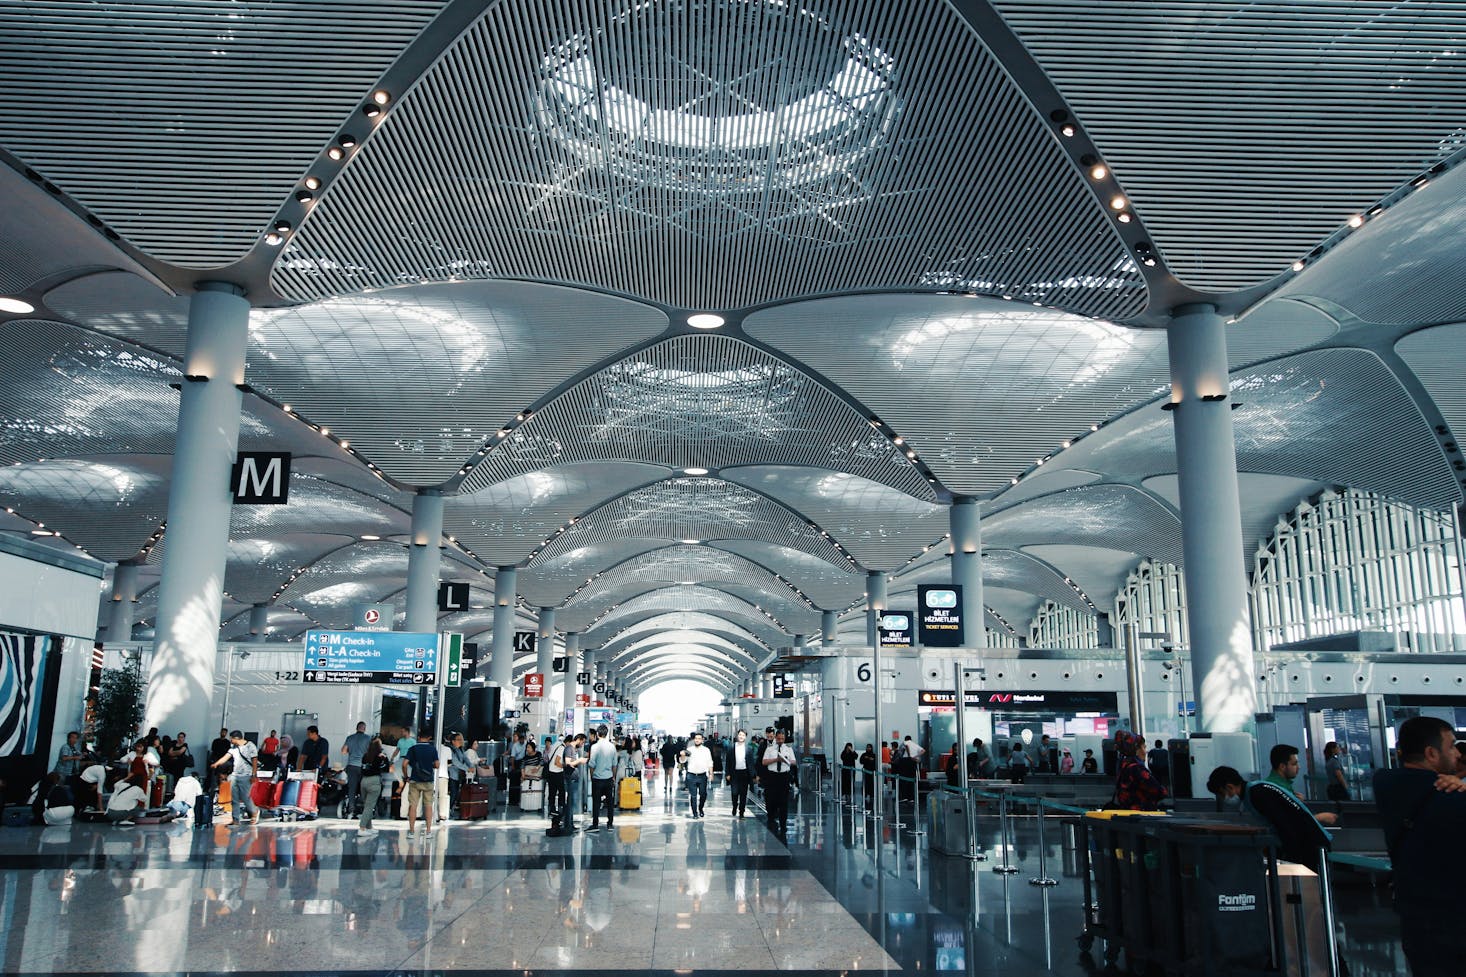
x=653, y=616
x=681, y=565
x=108, y=506
x=693, y=508
x=185, y=124
x=1196, y=108
x=59, y=395
x=549, y=581
x=704, y=401
x=828, y=586
x=646, y=149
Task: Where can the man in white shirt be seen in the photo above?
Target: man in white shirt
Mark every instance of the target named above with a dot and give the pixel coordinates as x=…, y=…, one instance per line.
x=127, y=800
x=602, y=766
x=913, y=748
x=778, y=768
x=93, y=782
x=699, y=766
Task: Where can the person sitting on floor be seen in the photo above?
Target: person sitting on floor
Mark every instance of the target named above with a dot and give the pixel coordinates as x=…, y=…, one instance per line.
x=185, y=794
x=127, y=801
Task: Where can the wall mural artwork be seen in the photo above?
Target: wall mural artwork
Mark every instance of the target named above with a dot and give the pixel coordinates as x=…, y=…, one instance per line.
x=22, y=680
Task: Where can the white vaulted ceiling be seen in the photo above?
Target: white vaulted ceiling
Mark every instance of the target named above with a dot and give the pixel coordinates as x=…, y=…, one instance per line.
x=939, y=236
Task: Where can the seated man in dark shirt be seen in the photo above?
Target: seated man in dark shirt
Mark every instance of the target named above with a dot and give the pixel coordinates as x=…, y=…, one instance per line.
x=1424, y=812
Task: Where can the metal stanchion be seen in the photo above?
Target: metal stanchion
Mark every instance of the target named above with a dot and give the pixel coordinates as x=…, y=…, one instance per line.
x=974, y=851
x=1003, y=835
x=1043, y=855
x=920, y=832
x=896, y=821
x=1326, y=894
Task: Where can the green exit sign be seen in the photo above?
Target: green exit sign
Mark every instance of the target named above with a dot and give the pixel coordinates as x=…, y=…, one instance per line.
x=453, y=672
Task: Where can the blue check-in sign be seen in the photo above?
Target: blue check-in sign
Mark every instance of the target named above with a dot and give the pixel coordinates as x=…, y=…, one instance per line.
x=371, y=658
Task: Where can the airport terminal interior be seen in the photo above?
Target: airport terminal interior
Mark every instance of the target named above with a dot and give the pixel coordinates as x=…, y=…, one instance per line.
x=1027, y=427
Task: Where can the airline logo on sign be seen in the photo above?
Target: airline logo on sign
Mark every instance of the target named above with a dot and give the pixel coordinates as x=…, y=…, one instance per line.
x=581, y=699
x=374, y=617
x=534, y=685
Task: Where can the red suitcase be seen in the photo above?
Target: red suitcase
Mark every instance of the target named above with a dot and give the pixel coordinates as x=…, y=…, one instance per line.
x=262, y=794
x=155, y=795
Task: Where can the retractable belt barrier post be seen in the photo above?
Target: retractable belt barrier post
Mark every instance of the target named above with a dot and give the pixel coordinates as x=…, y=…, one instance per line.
x=1003, y=835
x=1043, y=856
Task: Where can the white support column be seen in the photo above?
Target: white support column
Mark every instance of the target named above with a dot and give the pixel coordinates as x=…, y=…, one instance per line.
x=424, y=558
x=501, y=661
x=191, y=594
x=1211, y=521
x=123, y=613
x=259, y=623
x=572, y=666
x=966, y=525
x=829, y=626
x=544, y=646
x=875, y=604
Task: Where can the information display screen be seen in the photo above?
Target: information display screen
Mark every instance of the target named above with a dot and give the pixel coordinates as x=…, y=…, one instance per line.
x=371, y=658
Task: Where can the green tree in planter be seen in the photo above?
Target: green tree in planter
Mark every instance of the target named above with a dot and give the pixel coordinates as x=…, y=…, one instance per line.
x=119, y=709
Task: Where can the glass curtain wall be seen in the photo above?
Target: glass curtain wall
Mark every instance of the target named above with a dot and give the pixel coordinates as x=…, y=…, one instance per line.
x=1061, y=626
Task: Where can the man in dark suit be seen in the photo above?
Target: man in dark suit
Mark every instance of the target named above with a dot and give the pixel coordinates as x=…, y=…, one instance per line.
x=741, y=765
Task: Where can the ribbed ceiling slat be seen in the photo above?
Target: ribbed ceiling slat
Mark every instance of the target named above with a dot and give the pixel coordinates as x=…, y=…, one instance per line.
x=185, y=124
x=1245, y=133
x=713, y=154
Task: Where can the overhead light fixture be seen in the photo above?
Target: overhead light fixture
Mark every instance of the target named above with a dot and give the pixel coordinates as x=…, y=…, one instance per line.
x=369, y=536
x=336, y=152
x=274, y=240
x=347, y=140
x=1298, y=265
x=692, y=542
x=16, y=306
x=304, y=196
x=1124, y=217
x=1117, y=202
x=1099, y=171
x=312, y=183
x=1356, y=221
x=1067, y=131
x=694, y=471
x=705, y=320
x=381, y=96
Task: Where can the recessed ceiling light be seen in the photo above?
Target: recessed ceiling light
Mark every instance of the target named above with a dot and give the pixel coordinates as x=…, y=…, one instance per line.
x=369, y=536
x=705, y=320
x=312, y=183
x=694, y=471
x=1099, y=172
x=16, y=306
x=381, y=96
x=691, y=542
x=1117, y=202
x=1356, y=221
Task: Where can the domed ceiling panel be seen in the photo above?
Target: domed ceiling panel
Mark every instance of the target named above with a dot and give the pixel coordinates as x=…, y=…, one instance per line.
x=319, y=506
x=1001, y=568
x=549, y=581
x=979, y=388
x=1116, y=516
x=419, y=379
x=42, y=240
x=108, y=506
x=699, y=509
x=701, y=401
x=505, y=522
x=1404, y=266
x=1100, y=571
x=1244, y=132
x=653, y=615
x=827, y=586
x=678, y=565
x=661, y=624
x=647, y=149
x=258, y=566
x=679, y=598
x=739, y=650
x=1328, y=415
x=185, y=123
x=363, y=573
x=1438, y=358
x=877, y=525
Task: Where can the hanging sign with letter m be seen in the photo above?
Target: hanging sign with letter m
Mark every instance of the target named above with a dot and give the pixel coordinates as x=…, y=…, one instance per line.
x=261, y=478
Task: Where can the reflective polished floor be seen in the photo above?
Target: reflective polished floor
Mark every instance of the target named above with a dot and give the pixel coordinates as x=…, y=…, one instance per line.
x=661, y=893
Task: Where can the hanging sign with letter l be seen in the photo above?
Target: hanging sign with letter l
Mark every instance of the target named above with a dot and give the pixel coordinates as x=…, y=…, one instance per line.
x=939, y=615
x=261, y=478
x=452, y=596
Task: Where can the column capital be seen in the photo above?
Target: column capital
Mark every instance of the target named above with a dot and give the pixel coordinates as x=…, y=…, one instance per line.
x=228, y=288
x=1193, y=308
